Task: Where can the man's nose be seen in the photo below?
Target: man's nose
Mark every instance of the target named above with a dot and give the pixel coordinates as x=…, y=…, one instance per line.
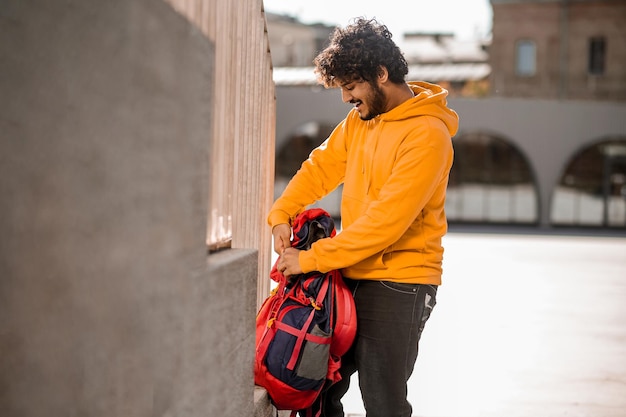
x=345, y=96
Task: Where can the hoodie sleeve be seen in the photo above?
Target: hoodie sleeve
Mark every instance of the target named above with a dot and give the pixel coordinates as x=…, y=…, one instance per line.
x=421, y=168
x=312, y=182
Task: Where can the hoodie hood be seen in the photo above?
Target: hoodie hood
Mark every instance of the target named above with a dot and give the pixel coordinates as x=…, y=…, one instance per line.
x=430, y=99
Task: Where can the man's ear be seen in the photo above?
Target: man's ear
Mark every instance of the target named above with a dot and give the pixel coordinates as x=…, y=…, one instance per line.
x=383, y=74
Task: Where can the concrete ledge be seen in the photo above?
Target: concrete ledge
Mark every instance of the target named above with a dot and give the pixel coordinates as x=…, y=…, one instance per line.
x=263, y=406
x=229, y=292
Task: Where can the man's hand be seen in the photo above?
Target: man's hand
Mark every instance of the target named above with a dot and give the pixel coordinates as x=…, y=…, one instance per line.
x=289, y=263
x=282, y=236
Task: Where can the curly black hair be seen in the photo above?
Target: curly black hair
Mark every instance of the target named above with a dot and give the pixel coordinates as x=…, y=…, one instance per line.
x=357, y=52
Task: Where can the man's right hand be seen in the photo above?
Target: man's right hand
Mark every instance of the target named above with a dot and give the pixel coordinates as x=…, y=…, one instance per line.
x=282, y=237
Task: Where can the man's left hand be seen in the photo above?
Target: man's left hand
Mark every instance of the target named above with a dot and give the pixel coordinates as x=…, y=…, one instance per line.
x=289, y=263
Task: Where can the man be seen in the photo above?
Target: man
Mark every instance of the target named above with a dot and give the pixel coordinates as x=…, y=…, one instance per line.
x=393, y=154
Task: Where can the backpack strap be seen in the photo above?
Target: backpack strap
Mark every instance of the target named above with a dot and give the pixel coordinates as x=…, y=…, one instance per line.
x=301, y=334
x=315, y=410
x=274, y=303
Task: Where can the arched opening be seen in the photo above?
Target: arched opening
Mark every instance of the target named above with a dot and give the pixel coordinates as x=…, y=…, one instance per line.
x=491, y=181
x=592, y=189
x=295, y=151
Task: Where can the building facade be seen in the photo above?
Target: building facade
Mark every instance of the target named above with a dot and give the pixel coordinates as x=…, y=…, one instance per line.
x=555, y=49
x=292, y=43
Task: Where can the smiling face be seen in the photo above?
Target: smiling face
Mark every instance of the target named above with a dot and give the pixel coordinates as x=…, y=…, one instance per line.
x=367, y=97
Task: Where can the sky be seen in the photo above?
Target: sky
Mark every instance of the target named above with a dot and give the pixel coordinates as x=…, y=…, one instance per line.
x=466, y=19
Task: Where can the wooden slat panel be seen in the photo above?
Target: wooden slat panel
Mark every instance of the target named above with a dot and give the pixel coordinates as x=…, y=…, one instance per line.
x=243, y=125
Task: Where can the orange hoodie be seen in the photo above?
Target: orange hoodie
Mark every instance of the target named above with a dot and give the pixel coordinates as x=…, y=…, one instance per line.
x=394, y=169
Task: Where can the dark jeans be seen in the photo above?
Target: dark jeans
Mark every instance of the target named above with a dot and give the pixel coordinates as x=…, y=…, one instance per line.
x=391, y=318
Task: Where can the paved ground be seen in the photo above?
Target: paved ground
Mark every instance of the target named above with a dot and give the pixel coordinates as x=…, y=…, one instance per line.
x=526, y=325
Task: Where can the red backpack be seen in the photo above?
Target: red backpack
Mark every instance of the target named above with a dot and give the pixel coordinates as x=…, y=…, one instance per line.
x=304, y=327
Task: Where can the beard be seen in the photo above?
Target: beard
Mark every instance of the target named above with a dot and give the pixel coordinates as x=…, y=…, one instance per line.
x=375, y=102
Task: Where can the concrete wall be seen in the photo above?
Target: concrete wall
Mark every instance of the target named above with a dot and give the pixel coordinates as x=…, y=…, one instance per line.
x=109, y=305
x=548, y=132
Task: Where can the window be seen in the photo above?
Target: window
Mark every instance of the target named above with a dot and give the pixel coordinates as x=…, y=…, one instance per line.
x=597, y=55
x=526, y=58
